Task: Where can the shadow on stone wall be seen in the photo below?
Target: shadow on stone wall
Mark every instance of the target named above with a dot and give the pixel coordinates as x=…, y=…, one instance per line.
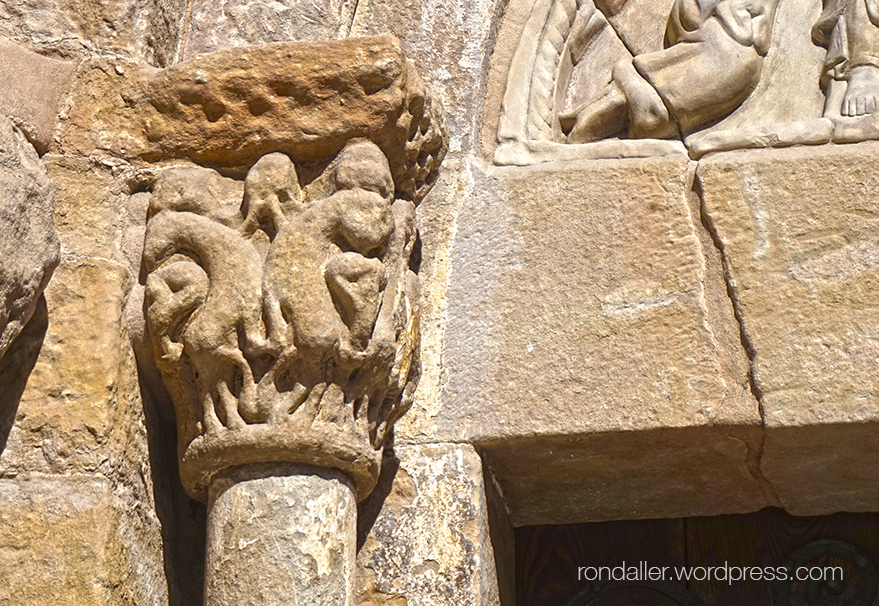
x=16, y=367
x=183, y=519
x=369, y=509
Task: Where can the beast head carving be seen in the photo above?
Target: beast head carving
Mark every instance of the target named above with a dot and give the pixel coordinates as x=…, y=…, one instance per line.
x=284, y=321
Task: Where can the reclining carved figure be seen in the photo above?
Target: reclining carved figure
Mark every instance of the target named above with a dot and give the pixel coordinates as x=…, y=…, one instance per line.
x=712, y=61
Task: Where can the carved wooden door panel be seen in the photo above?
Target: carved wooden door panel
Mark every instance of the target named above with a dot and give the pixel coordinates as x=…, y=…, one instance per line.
x=710, y=561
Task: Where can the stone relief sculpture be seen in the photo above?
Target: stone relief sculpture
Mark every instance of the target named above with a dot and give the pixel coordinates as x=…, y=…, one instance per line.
x=281, y=308
x=722, y=74
x=712, y=61
x=849, y=29
x=288, y=330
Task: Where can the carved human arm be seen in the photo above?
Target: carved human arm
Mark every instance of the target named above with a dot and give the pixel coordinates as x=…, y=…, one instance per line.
x=873, y=11
x=748, y=22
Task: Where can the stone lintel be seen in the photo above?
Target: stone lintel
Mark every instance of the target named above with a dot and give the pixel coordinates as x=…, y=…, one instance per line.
x=591, y=349
x=646, y=474
x=798, y=232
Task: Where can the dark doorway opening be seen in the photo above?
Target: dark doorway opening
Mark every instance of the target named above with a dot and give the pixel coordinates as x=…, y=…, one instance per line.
x=732, y=560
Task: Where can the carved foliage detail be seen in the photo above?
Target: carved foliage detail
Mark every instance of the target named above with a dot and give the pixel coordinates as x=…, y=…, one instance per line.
x=284, y=320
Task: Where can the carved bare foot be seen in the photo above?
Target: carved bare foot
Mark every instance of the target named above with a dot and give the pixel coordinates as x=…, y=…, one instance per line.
x=862, y=94
x=648, y=116
x=597, y=119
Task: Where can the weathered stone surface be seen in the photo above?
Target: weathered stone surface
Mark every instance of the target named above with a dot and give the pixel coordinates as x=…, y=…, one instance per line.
x=627, y=330
x=451, y=44
x=284, y=322
x=854, y=129
x=69, y=540
x=217, y=25
x=707, y=63
x=790, y=86
x=435, y=221
x=144, y=29
x=89, y=196
x=231, y=107
x=281, y=308
x=850, y=31
x=601, y=70
x=28, y=243
x=613, y=322
x=428, y=542
x=81, y=409
x=16, y=366
x=644, y=474
x=35, y=88
x=80, y=431
x=281, y=536
x=575, y=321
x=806, y=132
x=798, y=232
x=518, y=153
x=80, y=412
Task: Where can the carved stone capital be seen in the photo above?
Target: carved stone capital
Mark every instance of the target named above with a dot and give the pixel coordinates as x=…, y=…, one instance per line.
x=282, y=310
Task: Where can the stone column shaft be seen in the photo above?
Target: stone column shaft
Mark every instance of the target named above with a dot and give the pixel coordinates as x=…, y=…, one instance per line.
x=281, y=536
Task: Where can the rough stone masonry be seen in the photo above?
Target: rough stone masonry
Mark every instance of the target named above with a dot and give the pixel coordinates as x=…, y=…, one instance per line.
x=640, y=285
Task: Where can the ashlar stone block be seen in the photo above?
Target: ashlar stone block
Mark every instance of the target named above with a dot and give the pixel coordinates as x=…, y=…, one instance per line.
x=451, y=43
x=590, y=349
x=145, y=29
x=425, y=532
x=67, y=541
x=229, y=23
x=798, y=232
x=81, y=408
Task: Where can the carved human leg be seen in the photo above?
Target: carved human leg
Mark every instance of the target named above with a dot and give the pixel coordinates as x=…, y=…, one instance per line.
x=597, y=119
x=711, y=64
x=630, y=103
x=862, y=34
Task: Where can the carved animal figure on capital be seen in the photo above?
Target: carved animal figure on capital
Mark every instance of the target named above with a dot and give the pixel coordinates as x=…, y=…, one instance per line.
x=315, y=296
x=712, y=60
x=215, y=301
x=850, y=31
x=325, y=258
x=284, y=311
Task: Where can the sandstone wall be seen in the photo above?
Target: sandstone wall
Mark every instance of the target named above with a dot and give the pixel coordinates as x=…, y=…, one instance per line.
x=614, y=331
